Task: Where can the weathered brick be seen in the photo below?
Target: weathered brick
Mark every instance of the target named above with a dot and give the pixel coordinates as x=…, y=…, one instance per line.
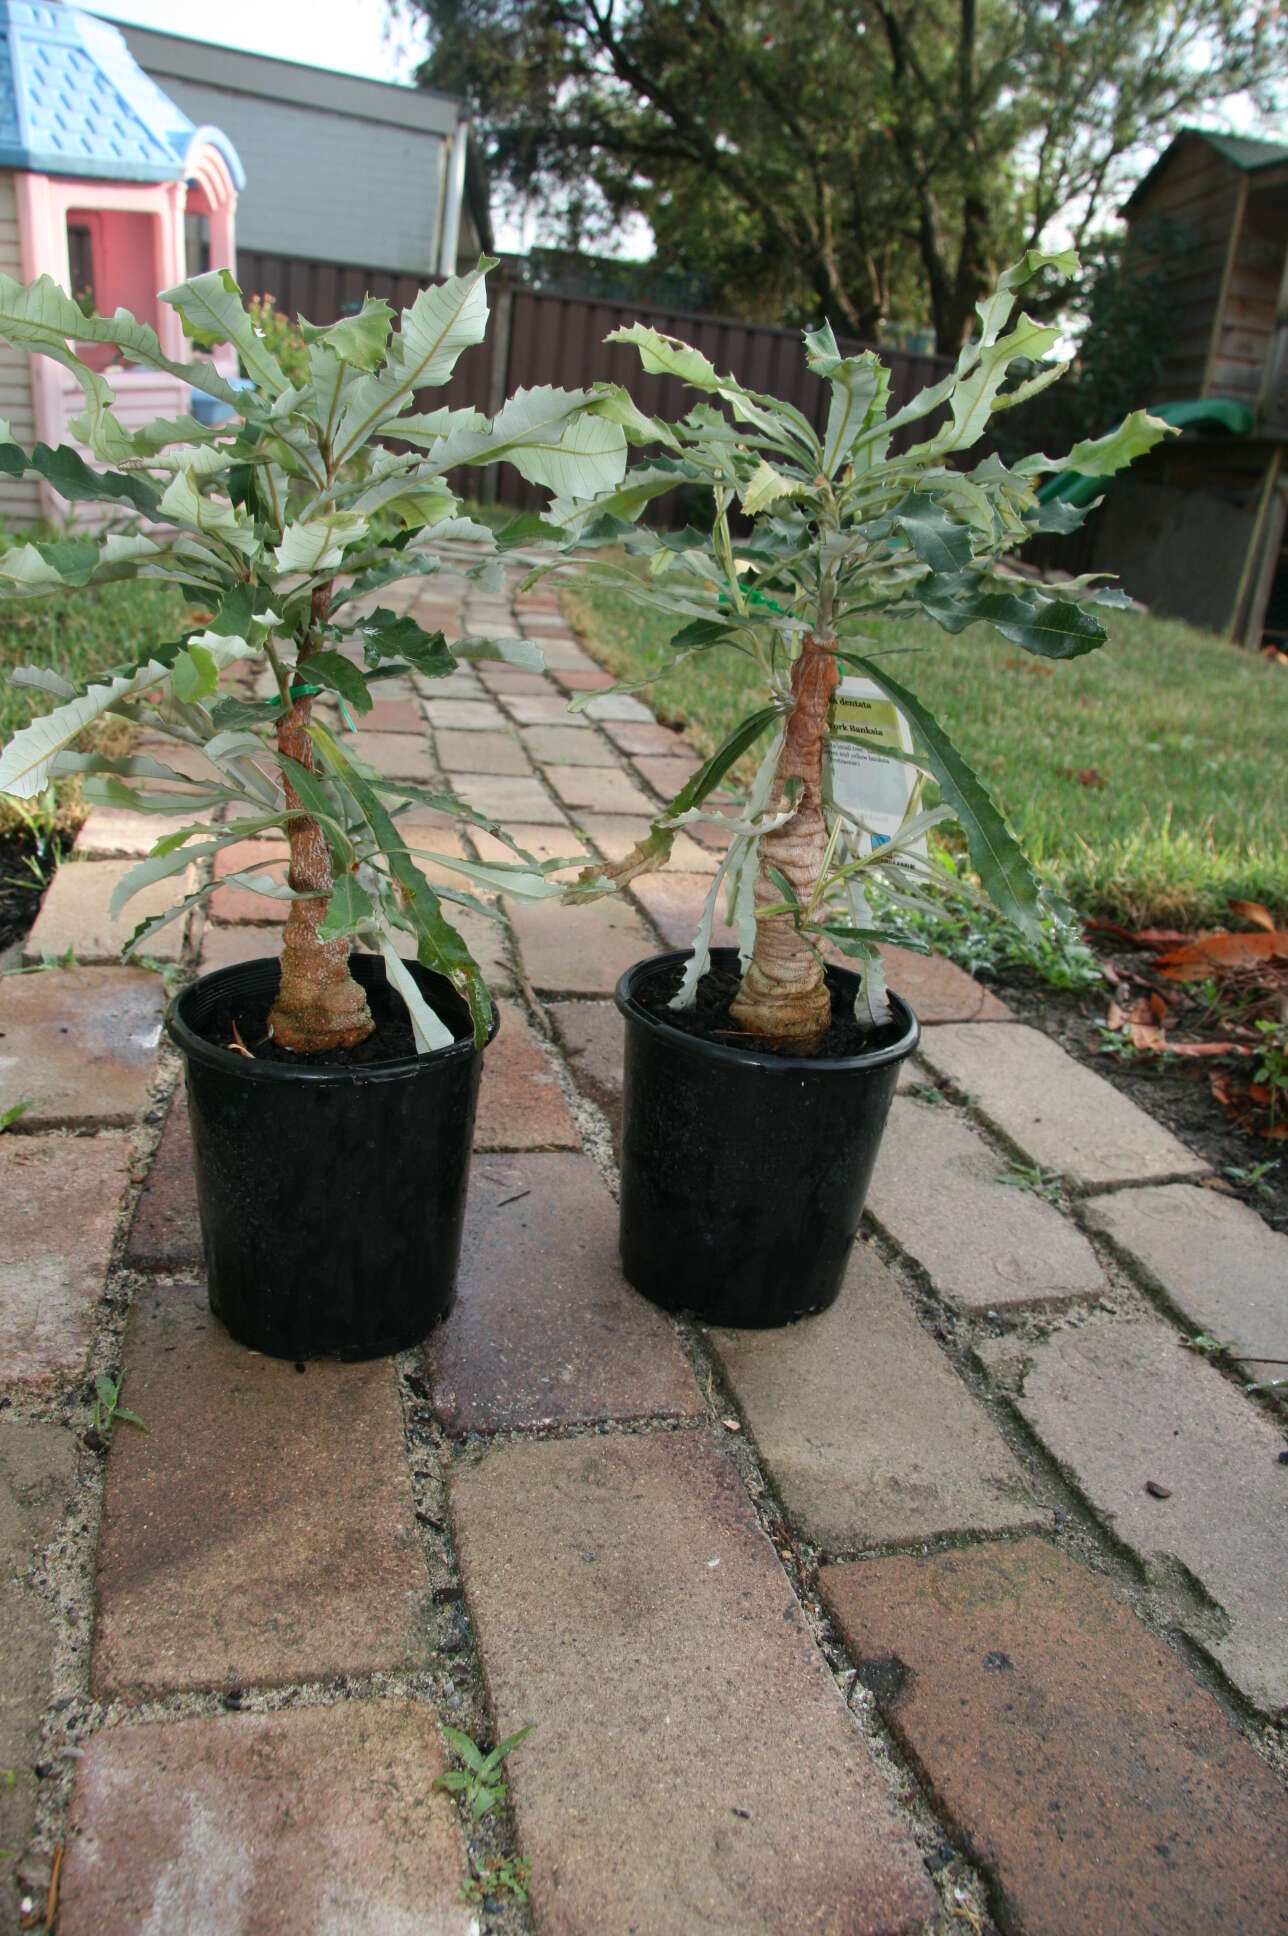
x=480, y=753
x=578, y=951
x=937, y=1181
x=119, y=833
x=399, y=756
x=615, y=834
x=560, y=652
x=1122, y=1406
x=242, y=1541
x=592, y=1036
x=864, y=1426
x=937, y=990
x=166, y=1232
x=464, y=715
x=265, y=860
x=509, y=798
x=506, y=678
x=565, y=746
x=521, y=1106
x=694, y=1767
x=636, y=736
x=546, y=708
x=582, y=678
x=74, y=914
x=37, y=1474
x=665, y=774
x=674, y=904
x=597, y=789
x=317, y=1818
x=59, y=1200
x=542, y=843
x=618, y=705
x=1210, y=1256
x=1099, y=1787
x=224, y=947
x=80, y=1043
x=1056, y=1112
x=545, y=1330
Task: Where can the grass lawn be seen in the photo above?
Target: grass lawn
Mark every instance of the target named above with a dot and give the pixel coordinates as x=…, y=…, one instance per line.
x=1147, y=780
x=78, y=634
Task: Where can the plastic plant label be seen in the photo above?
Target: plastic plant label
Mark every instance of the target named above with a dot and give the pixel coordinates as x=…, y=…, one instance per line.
x=875, y=791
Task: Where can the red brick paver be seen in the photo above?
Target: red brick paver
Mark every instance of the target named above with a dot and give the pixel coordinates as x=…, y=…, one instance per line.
x=545, y=1329
x=1088, y=1773
x=243, y=1542
x=521, y=1106
x=693, y=1766
x=59, y=1200
x=318, y=1819
x=80, y=1044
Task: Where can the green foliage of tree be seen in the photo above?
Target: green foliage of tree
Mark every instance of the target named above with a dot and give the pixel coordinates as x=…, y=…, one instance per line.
x=862, y=159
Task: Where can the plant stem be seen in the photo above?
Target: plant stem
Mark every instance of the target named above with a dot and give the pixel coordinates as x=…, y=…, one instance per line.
x=783, y=1000
x=319, y=1005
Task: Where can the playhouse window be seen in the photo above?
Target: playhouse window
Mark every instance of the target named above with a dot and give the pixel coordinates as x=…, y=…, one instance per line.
x=80, y=260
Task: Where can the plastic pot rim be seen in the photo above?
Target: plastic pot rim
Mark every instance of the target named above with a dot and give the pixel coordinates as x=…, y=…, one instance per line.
x=733, y=1056
x=198, y=1049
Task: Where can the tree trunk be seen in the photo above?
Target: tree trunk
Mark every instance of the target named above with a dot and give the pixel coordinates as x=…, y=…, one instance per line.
x=319, y=1005
x=783, y=1000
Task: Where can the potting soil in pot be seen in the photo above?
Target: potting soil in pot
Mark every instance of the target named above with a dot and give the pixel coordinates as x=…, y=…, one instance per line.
x=708, y=1018
x=235, y=1018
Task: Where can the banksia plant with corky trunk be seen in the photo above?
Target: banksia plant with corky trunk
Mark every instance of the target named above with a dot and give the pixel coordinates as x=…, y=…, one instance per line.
x=814, y=533
x=282, y=523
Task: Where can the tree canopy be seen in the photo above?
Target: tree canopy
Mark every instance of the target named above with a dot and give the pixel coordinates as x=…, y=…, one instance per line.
x=872, y=160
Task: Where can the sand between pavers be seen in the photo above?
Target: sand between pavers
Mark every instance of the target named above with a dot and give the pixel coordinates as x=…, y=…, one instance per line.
x=693, y=1767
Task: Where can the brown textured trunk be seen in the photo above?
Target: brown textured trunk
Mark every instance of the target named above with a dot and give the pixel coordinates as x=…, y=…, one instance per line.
x=783, y=999
x=319, y=1005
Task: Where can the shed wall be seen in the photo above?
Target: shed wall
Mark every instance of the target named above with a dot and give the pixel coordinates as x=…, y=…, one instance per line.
x=19, y=497
x=1201, y=189
x=330, y=186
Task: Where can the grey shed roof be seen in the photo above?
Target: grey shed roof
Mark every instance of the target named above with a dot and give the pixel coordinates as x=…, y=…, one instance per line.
x=1244, y=152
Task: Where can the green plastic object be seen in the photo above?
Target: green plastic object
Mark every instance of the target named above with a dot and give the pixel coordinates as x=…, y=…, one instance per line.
x=1204, y=413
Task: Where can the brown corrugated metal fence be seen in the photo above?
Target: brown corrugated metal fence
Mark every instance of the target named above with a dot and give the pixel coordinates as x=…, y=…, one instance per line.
x=536, y=338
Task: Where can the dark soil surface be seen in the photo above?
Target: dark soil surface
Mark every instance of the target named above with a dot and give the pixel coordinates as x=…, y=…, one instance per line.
x=238, y=1021
x=26, y=867
x=1177, y=1094
x=709, y=1016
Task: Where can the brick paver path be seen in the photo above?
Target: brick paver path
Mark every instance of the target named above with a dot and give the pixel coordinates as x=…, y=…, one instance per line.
x=960, y=1607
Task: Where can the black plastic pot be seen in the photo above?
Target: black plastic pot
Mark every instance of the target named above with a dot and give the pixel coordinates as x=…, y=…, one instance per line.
x=743, y=1173
x=332, y=1199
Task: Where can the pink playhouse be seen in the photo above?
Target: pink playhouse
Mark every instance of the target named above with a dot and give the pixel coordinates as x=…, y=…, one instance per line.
x=109, y=188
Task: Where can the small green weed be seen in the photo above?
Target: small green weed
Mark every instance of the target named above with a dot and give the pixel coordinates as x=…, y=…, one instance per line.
x=509, y=1877
x=1272, y=1070
x=1252, y=1176
x=479, y=1782
x=9, y=1116
x=1206, y=1346
x=1031, y=1176
x=108, y=1409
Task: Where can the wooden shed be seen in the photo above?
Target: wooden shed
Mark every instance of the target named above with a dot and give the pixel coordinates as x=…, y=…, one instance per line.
x=1216, y=555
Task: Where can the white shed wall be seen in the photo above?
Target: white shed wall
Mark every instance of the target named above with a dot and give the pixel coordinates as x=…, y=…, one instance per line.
x=324, y=185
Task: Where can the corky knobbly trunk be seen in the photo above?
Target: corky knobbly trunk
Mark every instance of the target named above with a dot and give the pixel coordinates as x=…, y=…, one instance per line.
x=319, y=1005
x=783, y=998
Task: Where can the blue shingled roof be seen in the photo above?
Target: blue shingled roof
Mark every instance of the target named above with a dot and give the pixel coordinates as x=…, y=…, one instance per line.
x=74, y=101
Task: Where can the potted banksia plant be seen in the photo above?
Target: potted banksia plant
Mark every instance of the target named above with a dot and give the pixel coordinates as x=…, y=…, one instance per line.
x=758, y=1080
x=331, y=1092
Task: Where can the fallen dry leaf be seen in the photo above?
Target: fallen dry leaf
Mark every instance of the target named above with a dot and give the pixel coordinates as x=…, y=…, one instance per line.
x=1196, y=960
x=1254, y=911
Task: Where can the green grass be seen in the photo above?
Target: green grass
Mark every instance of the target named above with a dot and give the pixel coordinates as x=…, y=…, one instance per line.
x=78, y=634
x=1186, y=733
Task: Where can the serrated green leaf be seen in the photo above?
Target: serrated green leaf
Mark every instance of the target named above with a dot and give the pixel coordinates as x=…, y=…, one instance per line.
x=935, y=537
x=359, y=340
x=26, y=760
x=338, y=674
x=995, y=854
x=210, y=309
x=194, y=674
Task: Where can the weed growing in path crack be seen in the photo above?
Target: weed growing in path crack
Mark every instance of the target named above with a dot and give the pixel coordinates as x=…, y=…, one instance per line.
x=480, y=1782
